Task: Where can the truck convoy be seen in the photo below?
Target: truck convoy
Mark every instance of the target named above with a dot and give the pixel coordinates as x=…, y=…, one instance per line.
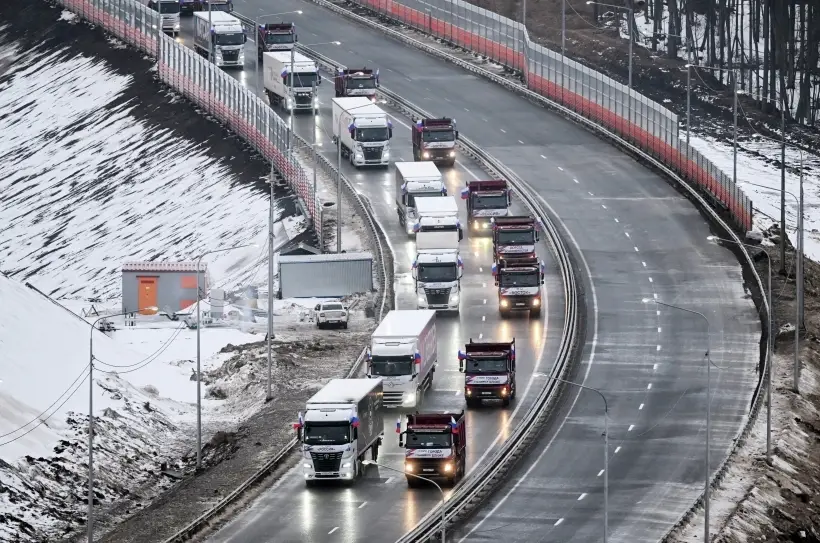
x=341, y=423
x=435, y=446
x=514, y=237
x=363, y=130
x=191, y=6
x=437, y=268
x=489, y=371
x=289, y=80
x=275, y=37
x=486, y=200
x=403, y=354
x=415, y=180
x=519, y=283
x=228, y=38
x=356, y=82
x=435, y=140
x=169, y=14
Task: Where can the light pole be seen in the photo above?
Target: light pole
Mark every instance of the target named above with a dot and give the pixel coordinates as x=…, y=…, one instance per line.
x=269, y=335
x=734, y=111
x=443, y=497
x=769, y=347
x=198, y=350
x=798, y=265
x=708, y=408
x=90, y=527
x=259, y=46
x=630, y=23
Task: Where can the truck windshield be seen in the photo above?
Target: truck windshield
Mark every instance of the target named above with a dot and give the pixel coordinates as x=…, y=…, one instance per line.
x=326, y=434
x=437, y=273
x=530, y=279
x=273, y=39
x=304, y=79
x=516, y=238
x=486, y=365
x=411, y=198
x=438, y=135
x=361, y=83
x=391, y=367
x=496, y=201
x=429, y=440
x=372, y=134
x=233, y=38
x=169, y=7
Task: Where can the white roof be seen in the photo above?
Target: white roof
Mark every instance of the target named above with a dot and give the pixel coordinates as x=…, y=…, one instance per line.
x=301, y=63
x=344, y=391
x=219, y=18
x=436, y=206
x=329, y=257
x=401, y=323
x=349, y=102
x=418, y=170
x=427, y=220
x=437, y=255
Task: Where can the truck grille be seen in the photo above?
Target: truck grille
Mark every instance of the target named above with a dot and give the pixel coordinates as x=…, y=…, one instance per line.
x=437, y=296
x=392, y=399
x=230, y=56
x=303, y=99
x=326, y=461
x=514, y=301
x=372, y=154
x=428, y=467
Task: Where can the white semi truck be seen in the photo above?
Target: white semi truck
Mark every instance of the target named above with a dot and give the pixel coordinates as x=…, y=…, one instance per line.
x=414, y=180
x=289, y=79
x=341, y=423
x=403, y=353
x=169, y=14
x=438, y=268
x=228, y=37
x=363, y=130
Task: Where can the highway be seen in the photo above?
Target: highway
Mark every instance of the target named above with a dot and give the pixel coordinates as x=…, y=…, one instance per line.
x=637, y=238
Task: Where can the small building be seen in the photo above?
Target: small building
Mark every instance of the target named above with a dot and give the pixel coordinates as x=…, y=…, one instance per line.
x=170, y=286
x=327, y=275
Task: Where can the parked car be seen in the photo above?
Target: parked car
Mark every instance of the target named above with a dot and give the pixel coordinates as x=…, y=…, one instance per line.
x=331, y=313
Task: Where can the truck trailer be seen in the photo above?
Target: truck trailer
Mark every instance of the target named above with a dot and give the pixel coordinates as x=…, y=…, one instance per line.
x=435, y=446
x=356, y=82
x=291, y=80
x=435, y=140
x=363, y=130
x=228, y=37
x=415, y=180
x=486, y=200
x=275, y=37
x=489, y=371
x=403, y=353
x=519, y=283
x=340, y=424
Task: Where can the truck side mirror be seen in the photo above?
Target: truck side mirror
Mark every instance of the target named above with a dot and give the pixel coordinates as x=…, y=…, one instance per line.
x=496, y=281
x=536, y=235
x=460, y=273
x=512, y=365
x=355, y=434
x=415, y=275
x=389, y=133
x=542, y=279
x=456, y=134
x=295, y=38
x=401, y=441
x=318, y=81
x=299, y=434
x=353, y=133
x=460, y=234
x=461, y=366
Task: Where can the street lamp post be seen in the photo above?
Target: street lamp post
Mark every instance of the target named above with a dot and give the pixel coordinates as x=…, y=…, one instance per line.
x=198, y=351
x=259, y=45
x=769, y=347
x=90, y=527
x=798, y=264
x=443, y=497
x=708, y=408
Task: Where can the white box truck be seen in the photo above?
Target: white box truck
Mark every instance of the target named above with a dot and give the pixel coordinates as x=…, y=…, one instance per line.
x=414, y=180
x=363, y=130
x=228, y=36
x=438, y=268
x=341, y=423
x=403, y=353
x=289, y=79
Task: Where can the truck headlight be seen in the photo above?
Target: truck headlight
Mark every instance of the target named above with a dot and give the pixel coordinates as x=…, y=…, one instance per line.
x=315, y=101
x=386, y=154
x=504, y=302
x=408, y=467
x=307, y=465
x=425, y=154
x=422, y=299
x=452, y=153
x=346, y=465
x=409, y=399
x=454, y=298
x=536, y=302
x=448, y=467
x=176, y=26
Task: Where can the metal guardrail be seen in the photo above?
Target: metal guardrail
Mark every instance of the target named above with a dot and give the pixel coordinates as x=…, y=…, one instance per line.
x=688, y=189
x=486, y=475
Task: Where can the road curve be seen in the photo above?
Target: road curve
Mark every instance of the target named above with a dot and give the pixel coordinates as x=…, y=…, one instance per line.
x=638, y=239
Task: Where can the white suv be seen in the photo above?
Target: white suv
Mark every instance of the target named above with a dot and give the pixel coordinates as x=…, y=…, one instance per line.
x=331, y=313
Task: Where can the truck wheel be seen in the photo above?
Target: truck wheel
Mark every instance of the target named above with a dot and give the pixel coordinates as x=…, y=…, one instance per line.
x=344, y=326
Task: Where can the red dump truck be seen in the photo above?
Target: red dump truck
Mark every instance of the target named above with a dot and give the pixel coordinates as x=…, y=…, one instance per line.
x=435, y=446
x=489, y=371
x=514, y=237
x=356, y=82
x=486, y=200
x=519, y=283
x=435, y=140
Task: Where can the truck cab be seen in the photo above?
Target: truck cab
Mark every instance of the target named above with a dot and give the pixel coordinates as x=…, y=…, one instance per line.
x=227, y=35
x=486, y=200
x=519, y=283
x=363, y=131
x=356, y=82
x=435, y=140
x=514, y=237
x=435, y=447
x=275, y=37
x=415, y=180
x=438, y=274
x=489, y=372
x=169, y=14
x=291, y=81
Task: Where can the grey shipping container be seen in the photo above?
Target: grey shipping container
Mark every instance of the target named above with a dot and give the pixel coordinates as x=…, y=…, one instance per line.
x=327, y=275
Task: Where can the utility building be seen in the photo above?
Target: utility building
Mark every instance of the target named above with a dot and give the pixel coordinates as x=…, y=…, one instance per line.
x=170, y=286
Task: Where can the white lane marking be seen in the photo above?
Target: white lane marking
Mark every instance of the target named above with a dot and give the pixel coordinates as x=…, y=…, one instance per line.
x=649, y=386
x=616, y=219
x=483, y=119
x=542, y=156
x=627, y=234
x=465, y=109
x=560, y=168
x=484, y=285
x=590, y=193
x=617, y=449
x=656, y=297
x=485, y=300
x=582, y=496
x=659, y=329
x=480, y=269
x=650, y=280
x=575, y=180
x=333, y=530
x=658, y=312
x=503, y=130
x=600, y=473
x=659, y=348
x=476, y=254
x=362, y=505
x=636, y=249
x=631, y=427
x=389, y=479
x=640, y=407
x=557, y=522
x=654, y=368
x=458, y=392
x=644, y=264
x=480, y=336
x=603, y=206
x=483, y=318
x=521, y=142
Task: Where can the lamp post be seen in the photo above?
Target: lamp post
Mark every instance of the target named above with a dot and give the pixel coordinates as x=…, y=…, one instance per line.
x=799, y=265
x=443, y=497
x=90, y=527
x=769, y=347
x=630, y=23
x=198, y=351
x=259, y=47
x=708, y=408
